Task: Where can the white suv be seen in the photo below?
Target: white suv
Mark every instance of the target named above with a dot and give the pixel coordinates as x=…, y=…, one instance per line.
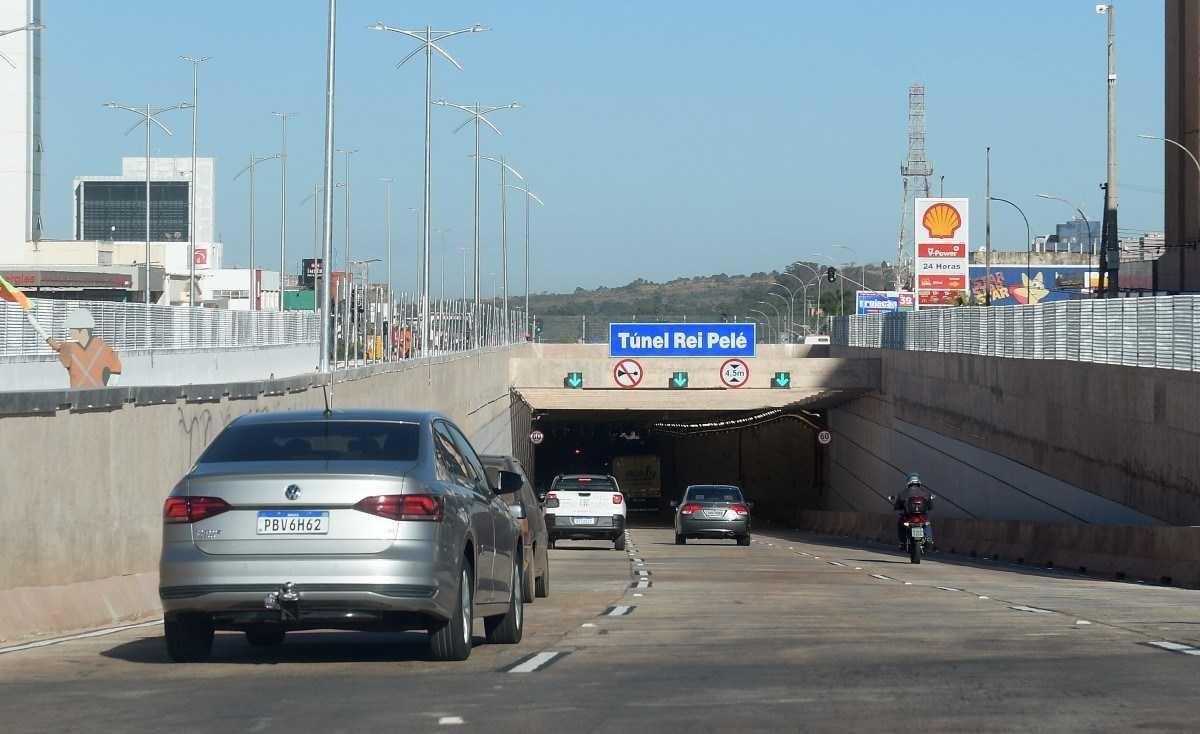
x=585, y=507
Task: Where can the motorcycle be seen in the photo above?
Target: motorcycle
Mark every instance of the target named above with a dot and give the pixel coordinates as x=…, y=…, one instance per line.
x=919, y=538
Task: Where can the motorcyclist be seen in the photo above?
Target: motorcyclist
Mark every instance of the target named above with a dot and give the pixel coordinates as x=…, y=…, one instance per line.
x=912, y=488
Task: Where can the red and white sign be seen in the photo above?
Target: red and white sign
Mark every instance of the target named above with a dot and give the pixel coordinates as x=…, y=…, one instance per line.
x=257, y=289
x=536, y=437
x=943, y=250
x=908, y=300
x=627, y=373
x=735, y=373
x=942, y=282
x=200, y=256
x=824, y=438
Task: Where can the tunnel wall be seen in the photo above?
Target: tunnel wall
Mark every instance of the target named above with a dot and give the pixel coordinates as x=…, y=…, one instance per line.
x=772, y=463
x=1008, y=439
x=82, y=488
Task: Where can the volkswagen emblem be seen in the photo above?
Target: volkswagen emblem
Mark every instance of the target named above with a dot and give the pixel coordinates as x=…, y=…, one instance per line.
x=292, y=492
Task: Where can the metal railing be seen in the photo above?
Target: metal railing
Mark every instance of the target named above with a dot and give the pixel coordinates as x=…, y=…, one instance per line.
x=1161, y=332
x=131, y=327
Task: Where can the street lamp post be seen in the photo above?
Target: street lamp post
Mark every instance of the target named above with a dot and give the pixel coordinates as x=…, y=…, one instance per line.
x=1028, y=249
x=478, y=115
x=327, y=324
x=1195, y=162
x=195, y=61
x=767, y=319
x=283, y=158
x=863, y=267
x=778, y=319
x=790, y=331
x=1086, y=223
x=387, y=228
x=504, y=167
x=817, y=276
x=792, y=295
x=529, y=196
x=31, y=27
x=348, y=314
x=429, y=39
x=254, y=161
x=149, y=116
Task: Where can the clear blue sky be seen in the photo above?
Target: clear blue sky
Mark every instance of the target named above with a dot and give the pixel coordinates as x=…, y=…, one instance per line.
x=668, y=138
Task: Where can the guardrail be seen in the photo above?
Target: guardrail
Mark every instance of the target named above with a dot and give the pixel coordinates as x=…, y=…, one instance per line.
x=131, y=327
x=1161, y=332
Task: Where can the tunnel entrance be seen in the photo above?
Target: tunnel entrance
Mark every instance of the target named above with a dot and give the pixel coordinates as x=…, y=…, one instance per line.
x=773, y=455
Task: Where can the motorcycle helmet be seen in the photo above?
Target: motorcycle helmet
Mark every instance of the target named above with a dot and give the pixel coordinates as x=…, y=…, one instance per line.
x=913, y=481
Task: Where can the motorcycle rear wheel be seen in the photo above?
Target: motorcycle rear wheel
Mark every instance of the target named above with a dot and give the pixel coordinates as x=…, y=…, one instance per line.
x=914, y=551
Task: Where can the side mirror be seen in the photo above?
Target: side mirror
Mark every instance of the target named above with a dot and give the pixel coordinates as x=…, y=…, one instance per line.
x=932, y=496
x=541, y=497
x=509, y=482
x=891, y=498
x=517, y=511
x=674, y=504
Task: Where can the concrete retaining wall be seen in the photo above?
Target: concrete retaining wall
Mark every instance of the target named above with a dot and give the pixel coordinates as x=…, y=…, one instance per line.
x=1168, y=554
x=83, y=486
x=1024, y=440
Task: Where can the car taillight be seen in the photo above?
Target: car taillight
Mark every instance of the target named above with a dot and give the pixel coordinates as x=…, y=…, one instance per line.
x=424, y=507
x=689, y=508
x=618, y=499
x=185, y=510
x=552, y=500
x=740, y=509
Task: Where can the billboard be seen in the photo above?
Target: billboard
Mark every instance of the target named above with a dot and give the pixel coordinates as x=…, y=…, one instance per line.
x=310, y=272
x=871, y=302
x=1013, y=285
x=943, y=250
x=682, y=340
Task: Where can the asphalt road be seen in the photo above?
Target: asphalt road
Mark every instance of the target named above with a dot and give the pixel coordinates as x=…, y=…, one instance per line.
x=790, y=634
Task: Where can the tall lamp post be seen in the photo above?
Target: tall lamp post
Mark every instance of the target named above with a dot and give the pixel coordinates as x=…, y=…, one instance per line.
x=149, y=116
x=478, y=115
x=1196, y=163
x=504, y=167
x=429, y=39
x=283, y=159
x=31, y=27
x=863, y=267
x=817, y=276
x=1028, y=249
x=254, y=161
x=803, y=290
x=791, y=330
x=765, y=318
x=387, y=229
x=529, y=196
x=195, y=61
x=324, y=295
x=1086, y=223
x=778, y=319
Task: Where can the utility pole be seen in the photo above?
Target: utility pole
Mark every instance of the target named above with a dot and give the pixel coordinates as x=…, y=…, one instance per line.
x=195, y=61
x=327, y=324
x=283, y=157
x=987, y=236
x=1110, y=255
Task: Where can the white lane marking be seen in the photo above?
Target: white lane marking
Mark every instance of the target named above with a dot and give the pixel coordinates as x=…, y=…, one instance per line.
x=983, y=597
x=908, y=583
x=806, y=554
x=643, y=584
x=537, y=662
x=1172, y=646
x=643, y=572
x=835, y=563
x=858, y=568
x=619, y=611
x=639, y=594
x=588, y=625
x=881, y=577
x=450, y=721
x=1082, y=621
x=80, y=636
x=948, y=588
x=1032, y=610
x=816, y=558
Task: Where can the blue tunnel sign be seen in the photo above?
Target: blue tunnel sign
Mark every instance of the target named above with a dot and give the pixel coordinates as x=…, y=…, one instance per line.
x=681, y=340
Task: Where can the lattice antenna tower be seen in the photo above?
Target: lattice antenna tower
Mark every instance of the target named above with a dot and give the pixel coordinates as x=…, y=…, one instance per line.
x=915, y=173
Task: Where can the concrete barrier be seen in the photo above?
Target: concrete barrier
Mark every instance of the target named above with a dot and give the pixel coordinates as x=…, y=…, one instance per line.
x=84, y=474
x=1151, y=553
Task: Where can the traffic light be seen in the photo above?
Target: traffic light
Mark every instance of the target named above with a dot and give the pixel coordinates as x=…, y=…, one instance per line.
x=573, y=381
x=781, y=380
x=678, y=381
x=831, y=274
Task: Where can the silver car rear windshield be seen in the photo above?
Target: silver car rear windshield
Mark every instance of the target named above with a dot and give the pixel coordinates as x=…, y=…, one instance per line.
x=714, y=494
x=326, y=440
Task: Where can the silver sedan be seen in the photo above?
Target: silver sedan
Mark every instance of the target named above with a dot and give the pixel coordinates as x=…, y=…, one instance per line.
x=340, y=520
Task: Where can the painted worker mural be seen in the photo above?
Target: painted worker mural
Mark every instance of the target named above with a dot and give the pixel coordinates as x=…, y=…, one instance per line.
x=89, y=361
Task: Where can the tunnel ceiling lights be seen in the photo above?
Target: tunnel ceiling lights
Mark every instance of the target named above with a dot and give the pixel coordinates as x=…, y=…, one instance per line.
x=750, y=421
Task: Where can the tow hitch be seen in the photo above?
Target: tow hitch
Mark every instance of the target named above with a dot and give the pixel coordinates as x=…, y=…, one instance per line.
x=286, y=601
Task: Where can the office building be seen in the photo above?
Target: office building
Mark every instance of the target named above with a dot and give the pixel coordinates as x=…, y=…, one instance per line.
x=21, y=144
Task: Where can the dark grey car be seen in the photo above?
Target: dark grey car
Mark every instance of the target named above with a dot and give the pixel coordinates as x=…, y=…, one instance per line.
x=533, y=526
x=712, y=511
x=344, y=520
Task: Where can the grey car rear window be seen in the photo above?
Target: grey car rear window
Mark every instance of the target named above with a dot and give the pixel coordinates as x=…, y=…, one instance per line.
x=714, y=494
x=316, y=441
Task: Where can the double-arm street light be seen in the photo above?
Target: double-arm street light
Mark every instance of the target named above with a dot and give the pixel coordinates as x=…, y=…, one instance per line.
x=324, y=294
x=817, y=276
x=478, y=115
x=791, y=329
x=767, y=319
x=1083, y=216
x=529, y=196
x=149, y=115
x=254, y=161
x=1028, y=249
x=429, y=39
x=195, y=61
x=778, y=318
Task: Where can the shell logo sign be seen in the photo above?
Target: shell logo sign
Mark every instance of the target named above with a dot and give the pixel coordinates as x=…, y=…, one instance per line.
x=941, y=221
x=943, y=251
